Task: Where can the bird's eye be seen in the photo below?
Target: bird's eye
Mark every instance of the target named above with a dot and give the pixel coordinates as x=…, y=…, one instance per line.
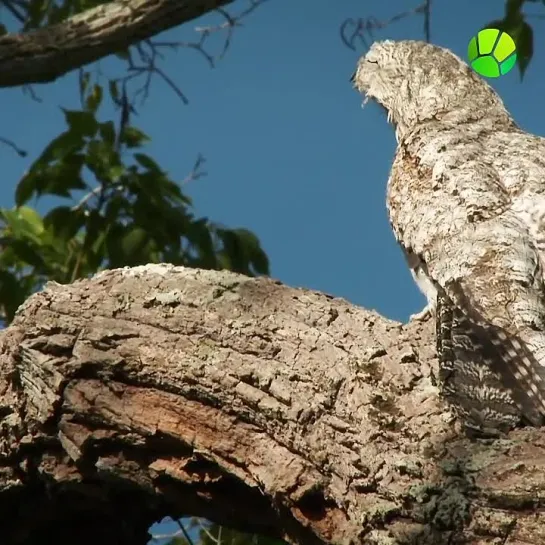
x=374, y=62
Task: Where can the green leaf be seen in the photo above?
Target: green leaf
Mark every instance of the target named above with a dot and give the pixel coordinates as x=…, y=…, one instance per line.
x=94, y=99
x=257, y=257
x=61, y=146
x=115, y=172
x=116, y=208
x=129, y=245
x=107, y=132
x=12, y=293
x=22, y=223
x=81, y=122
x=147, y=162
x=26, y=188
x=514, y=24
x=513, y=8
x=199, y=235
x=84, y=82
x=58, y=13
x=94, y=225
x=133, y=137
x=32, y=219
x=63, y=177
x=134, y=241
x=65, y=222
x=524, y=40
x=37, y=12
x=101, y=158
x=242, y=252
x=114, y=253
x=28, y=253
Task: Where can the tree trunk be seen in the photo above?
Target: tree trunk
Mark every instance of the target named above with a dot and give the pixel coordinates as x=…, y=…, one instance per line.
x=160, y=390
x=45, y=54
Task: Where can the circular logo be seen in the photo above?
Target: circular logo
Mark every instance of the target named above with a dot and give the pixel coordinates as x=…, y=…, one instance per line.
x=492, y=53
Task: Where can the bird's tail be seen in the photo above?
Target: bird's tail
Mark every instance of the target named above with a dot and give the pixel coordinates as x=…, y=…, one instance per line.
x=491, y=377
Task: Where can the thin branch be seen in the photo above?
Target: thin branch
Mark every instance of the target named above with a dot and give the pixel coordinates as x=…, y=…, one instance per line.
x=13, y=10
x=230, y=23
x=11, y=144
x=96, y=192
x=427, y=20
x=196, y=171
x=150, y=51
x=207, y=532
x=357, y=29
x=44, y=54
x=184, y=531
x=188, y=45
x=157, y=537
x=171, y=84
x=28, y=89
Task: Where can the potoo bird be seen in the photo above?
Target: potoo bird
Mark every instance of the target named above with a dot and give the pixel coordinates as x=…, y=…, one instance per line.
x=466, y=202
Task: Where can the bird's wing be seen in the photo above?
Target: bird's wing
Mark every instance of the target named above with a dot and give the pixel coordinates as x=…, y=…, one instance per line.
x=480, y=255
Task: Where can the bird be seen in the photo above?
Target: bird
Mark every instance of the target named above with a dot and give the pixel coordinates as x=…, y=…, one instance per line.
x=466, y=203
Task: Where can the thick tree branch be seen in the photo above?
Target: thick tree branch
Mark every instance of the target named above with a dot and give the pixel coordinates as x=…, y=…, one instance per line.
x=161, y=390
x=45, y=54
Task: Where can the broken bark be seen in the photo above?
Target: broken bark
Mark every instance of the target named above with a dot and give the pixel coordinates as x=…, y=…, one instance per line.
x=160, y=390
x=44, y=55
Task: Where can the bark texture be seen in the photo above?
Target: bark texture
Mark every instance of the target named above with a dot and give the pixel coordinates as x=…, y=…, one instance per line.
x=45, y=54
x=160, y=390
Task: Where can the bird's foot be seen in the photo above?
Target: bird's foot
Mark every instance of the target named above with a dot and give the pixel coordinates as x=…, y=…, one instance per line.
x=424, y=314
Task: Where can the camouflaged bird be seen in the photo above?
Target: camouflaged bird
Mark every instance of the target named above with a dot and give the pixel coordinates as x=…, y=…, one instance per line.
x=466, y=201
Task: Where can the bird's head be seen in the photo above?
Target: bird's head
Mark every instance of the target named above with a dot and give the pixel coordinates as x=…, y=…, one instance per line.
x=416, y=82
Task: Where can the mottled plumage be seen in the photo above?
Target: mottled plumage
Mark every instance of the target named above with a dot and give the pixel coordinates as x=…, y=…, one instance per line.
x=466, y=201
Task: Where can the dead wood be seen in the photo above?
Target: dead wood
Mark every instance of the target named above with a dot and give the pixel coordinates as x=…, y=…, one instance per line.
x=161, y=390
x=45, y=54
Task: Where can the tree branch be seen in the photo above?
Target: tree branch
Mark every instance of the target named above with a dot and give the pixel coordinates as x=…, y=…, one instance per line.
x=160, y=390
x=45, y=54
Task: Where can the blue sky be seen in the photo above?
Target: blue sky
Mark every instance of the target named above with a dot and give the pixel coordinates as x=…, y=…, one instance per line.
x=290, y=153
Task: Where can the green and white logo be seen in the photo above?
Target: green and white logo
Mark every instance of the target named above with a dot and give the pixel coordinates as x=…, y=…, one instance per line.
x=492, y=53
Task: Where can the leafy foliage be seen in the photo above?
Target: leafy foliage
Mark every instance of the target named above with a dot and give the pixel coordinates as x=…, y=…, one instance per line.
x=130, y=212
x=515, y=24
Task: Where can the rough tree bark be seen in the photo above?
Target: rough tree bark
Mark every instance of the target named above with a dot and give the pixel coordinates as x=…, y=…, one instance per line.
x=45, y=54
x=158, y=391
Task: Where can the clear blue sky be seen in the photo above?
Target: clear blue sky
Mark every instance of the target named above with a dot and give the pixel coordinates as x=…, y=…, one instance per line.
x=291, y=154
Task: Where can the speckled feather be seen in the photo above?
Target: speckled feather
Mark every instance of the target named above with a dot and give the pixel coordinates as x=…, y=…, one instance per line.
x=466, y=201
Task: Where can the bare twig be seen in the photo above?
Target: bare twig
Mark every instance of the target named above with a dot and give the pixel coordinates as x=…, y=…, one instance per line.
x=184, y=531
x=427, y=19
x=11, y=144
x=157, y=537
x=208, y=533
x=150, y=52
x=196, y=171
x=190, y=45
x=356, y=29
x=30, y=90
x=44, y=54
x=10, y=6
x=86, y=197
x=230, y=23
